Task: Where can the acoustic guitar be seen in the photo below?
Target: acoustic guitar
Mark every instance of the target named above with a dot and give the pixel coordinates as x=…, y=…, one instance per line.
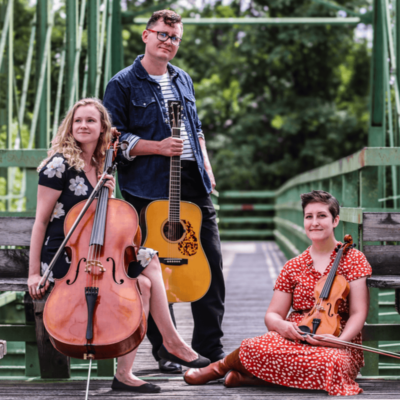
x=172, y=227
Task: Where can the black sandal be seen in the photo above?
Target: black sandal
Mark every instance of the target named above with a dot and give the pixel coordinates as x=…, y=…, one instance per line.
x=200, y=362
x=146, y=388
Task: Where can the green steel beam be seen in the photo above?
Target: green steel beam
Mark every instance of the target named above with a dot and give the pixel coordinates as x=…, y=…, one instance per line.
x=101, y=49
x=367, y=157
x=74, y=88
x=381, y=332
x=7, y=298
x=127, y=16
x=107, y=67
x=337, y=7
x=22, y=158
x=246, y=220
x=289, y=205
x=27, y=74
x=246, y=207
x=72, y=37
x=31, y=213
x=56, y=114
x=93, y=43
x=40, y=121
x=43, y=75
x=261, y=21
x=10, y=74
x=246, y=232
x=18, y=333
x=234, y=194
x=292, y=249
x=397, y=39
x=117, y=50
x=352, y=215
x=376, y=134
x=295, y=229
x=5, y=29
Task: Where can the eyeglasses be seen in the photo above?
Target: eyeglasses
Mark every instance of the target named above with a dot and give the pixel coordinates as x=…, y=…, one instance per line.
x=163, y=37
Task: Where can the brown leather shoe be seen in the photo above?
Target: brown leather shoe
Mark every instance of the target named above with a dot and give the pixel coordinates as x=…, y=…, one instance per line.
x=237, y=379
x=200, y=376
x=217, y=370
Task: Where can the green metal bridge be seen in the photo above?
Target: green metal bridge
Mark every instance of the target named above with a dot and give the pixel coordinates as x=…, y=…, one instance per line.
x=365, y=182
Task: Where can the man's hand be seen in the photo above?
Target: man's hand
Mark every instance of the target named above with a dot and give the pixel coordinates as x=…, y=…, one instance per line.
x=211, y=176
x=207, y=164
x=170, y=147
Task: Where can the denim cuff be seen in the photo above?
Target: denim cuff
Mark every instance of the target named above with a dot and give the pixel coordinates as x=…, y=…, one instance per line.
x=201, y=135
x=133, y=141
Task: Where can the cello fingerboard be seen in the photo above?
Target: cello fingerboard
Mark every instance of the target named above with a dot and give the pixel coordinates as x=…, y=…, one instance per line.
x=99, y=223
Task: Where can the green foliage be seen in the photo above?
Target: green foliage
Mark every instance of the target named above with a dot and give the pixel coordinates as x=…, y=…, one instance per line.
x=274, y=101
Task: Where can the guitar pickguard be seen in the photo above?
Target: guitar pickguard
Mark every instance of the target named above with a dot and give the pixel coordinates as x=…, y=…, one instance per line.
x=189, y=245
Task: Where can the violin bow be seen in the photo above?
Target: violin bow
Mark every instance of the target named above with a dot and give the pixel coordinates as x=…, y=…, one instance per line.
x=355, y=346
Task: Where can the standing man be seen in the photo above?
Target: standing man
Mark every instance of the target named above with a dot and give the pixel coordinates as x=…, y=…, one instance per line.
x=137, y=98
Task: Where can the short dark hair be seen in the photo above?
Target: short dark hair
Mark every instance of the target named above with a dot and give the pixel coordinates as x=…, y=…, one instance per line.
x=169, y=17
x=320, y=196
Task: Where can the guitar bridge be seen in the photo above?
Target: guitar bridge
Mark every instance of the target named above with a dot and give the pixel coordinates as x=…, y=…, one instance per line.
x=173, y=261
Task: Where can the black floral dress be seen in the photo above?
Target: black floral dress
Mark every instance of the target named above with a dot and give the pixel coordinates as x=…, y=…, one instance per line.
x=74, y=187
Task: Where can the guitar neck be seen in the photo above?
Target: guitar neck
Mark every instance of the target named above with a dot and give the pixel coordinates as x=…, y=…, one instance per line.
x=175, y=184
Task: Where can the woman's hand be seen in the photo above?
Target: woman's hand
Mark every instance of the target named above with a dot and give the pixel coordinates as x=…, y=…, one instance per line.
x=33, y=282
x=315, y=342
x=110, y=183
x=114, y=131
x=289, y=330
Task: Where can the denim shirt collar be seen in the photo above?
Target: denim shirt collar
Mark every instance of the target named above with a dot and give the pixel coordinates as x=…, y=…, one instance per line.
x=141, y=73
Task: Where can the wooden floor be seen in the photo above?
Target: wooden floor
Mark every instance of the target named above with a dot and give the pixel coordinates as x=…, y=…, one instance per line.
x=250, y=271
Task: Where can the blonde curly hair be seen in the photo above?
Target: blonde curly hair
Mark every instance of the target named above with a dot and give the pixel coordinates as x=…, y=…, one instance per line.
x=65, y=143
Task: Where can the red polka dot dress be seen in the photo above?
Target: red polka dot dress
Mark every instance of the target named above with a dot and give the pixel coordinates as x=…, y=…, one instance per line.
x=284, y=362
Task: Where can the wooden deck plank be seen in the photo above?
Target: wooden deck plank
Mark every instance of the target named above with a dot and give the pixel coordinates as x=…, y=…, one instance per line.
x=250, y=271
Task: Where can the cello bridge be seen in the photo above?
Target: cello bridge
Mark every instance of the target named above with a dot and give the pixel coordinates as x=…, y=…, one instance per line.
x=320, y=308
x=91, y=266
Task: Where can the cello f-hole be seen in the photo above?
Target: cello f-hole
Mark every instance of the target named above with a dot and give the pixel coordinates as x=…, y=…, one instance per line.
x=121, y=281
x=77, y=272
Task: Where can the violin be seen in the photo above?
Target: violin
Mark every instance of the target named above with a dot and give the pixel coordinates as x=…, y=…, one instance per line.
x=330, y=291
x=95, y=311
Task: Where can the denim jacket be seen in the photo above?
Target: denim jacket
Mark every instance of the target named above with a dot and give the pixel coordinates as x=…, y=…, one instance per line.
x=137, y=109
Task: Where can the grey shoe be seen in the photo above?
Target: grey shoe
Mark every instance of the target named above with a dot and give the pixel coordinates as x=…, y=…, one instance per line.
x=169, y=367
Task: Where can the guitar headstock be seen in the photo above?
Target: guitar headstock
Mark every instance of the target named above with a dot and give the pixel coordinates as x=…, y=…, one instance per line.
x=175, y=113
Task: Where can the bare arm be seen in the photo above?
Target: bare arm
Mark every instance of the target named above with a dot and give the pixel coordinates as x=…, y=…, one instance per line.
x=207, y=164
x=168, y=147
x=46, y=201
x=276, y=314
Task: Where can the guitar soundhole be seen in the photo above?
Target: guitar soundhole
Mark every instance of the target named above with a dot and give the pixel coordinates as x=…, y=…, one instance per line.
x=173, y=231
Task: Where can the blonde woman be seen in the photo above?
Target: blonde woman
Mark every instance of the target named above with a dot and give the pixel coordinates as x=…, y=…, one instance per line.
x=68, y=176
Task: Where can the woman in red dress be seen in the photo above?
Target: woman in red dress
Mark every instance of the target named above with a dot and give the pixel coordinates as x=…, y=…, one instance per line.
x=278, y=356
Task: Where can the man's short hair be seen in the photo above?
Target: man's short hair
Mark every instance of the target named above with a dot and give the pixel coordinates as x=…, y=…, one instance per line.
x=320, y=196
x=169, y=17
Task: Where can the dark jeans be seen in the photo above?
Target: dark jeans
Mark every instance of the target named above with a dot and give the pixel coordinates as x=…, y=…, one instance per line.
x=209, y=310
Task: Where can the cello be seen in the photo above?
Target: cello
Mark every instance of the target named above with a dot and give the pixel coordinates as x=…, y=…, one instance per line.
x=95, y=311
